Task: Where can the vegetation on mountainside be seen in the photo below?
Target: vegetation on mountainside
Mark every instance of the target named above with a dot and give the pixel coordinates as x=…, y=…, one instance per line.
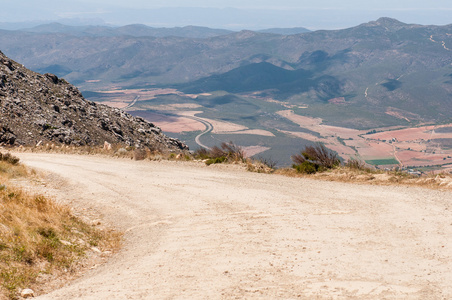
x=39, y=238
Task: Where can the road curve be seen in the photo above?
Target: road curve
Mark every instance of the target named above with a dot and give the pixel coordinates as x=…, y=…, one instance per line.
x=132, y=103
x=209, y=128
x=198, y=232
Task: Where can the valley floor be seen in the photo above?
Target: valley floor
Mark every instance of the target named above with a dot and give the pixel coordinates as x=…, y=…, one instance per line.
x=219, y=232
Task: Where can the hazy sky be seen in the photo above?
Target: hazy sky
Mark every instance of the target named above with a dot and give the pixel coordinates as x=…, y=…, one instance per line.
x=233, y=14
x=283, y=4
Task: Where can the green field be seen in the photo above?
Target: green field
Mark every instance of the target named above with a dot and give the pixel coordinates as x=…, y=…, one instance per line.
x=383, y=162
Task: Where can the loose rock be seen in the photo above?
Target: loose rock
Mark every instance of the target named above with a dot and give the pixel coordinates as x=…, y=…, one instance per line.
x=27, y=293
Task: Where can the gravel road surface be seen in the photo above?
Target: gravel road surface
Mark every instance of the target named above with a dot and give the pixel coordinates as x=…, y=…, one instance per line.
x=198, y=232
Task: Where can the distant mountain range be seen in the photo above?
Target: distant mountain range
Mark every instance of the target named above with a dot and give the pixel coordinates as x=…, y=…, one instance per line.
x=135, y=30
x=285, y=31
x=396, y=73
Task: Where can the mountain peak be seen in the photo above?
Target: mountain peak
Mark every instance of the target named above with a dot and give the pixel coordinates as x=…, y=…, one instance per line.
x=387, y=20
x=389, y=23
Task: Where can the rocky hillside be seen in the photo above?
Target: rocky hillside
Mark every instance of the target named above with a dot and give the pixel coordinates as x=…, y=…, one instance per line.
x=45, y=108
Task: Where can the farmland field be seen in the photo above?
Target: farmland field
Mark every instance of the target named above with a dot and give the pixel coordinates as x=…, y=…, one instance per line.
x=275, y=129
x=379, y=162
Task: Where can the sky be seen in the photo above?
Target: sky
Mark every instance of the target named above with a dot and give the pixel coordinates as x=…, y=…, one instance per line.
x=280, y=4
x=231, y=14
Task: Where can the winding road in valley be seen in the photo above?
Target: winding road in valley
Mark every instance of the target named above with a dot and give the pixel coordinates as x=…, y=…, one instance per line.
x=132, y=103
x=209, y=128
x=219, y=232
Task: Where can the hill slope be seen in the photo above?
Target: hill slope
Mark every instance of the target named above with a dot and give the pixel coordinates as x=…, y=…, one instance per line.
x=37, y=107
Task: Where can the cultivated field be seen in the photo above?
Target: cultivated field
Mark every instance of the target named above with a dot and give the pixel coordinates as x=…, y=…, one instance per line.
x=221, y=117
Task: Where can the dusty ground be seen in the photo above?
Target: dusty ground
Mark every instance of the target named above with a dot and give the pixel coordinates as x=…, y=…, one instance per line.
x=198, y=232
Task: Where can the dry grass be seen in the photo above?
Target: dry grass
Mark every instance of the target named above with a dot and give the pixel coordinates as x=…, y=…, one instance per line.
x=375, y=177
x=110, y=150
x=351, y=171
x=258, y=167
x=38, y=236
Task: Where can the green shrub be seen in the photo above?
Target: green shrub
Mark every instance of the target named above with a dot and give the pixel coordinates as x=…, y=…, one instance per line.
x=306, y=167
x=217, y=160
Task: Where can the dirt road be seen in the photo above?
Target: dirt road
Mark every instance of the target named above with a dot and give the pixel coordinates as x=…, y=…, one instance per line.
x=197, y=232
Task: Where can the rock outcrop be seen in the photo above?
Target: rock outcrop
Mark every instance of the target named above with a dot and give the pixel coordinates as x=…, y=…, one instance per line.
x=38, y=108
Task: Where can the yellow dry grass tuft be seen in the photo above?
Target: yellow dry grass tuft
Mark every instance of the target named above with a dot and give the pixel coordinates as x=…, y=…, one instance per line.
x=39, y=236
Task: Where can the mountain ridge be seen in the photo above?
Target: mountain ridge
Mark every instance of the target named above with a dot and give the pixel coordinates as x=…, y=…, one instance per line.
x=141, y=30
x=373, y=66
x=134, y=30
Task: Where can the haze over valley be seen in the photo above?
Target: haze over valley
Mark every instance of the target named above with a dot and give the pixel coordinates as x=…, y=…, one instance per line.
x=271, y=91
x=233, y=14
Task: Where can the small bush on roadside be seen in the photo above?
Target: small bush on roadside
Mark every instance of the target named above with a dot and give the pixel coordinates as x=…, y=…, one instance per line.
x=217, y=160
x=227, y=152
x=298, y=159
x=315, y=158
x=307, y=167
x=233, y=151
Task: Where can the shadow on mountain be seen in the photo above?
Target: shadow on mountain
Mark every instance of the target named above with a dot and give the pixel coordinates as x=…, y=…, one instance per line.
x=232, y=101
x=392, y=85
x=58, y=70
x=266, y=76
